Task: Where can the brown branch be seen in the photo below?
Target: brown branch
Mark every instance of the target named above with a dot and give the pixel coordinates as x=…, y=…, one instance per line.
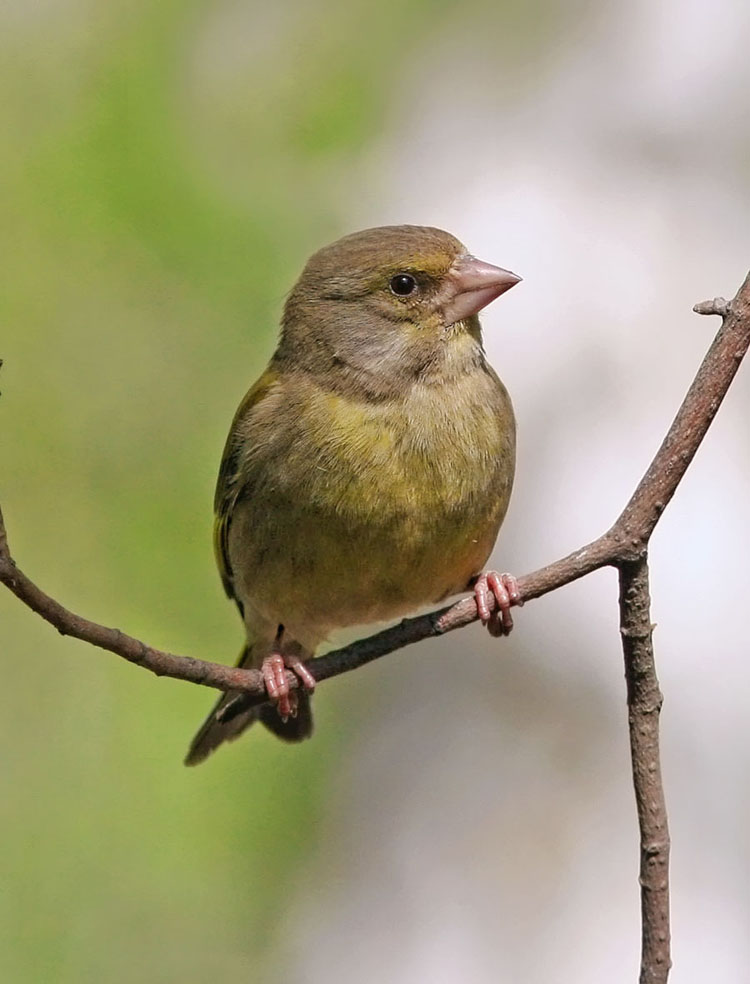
x=644, y=705
x=623, y=546
x=626, y=540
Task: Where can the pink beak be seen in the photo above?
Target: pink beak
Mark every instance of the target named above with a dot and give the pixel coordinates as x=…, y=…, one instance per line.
x=473, y=284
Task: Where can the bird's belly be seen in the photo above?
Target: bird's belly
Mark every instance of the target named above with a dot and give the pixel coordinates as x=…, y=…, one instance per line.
x=329, y=569
x=372, y=513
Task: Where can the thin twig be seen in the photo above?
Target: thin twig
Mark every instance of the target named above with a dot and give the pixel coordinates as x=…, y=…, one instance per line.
x=644, y=706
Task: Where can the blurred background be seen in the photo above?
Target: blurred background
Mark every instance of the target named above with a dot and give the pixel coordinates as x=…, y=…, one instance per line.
x=167, y=168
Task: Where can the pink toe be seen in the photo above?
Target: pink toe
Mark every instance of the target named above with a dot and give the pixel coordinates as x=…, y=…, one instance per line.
x=498, y=588
x=481, y=596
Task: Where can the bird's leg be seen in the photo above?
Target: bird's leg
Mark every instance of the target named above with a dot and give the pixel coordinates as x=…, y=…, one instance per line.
x=504, y=588
x=274, y=669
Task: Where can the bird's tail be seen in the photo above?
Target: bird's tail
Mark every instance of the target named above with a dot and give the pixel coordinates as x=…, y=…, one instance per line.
x=214, y=731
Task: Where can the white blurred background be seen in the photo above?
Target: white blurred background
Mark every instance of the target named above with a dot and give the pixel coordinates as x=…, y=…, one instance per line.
x=493, y=836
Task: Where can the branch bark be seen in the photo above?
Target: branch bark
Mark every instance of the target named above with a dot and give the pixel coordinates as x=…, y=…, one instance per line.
x=644, y=707
x=624, y=546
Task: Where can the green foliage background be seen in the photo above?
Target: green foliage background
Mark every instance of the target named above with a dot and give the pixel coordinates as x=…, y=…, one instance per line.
x=157, y=204
x=166, y=169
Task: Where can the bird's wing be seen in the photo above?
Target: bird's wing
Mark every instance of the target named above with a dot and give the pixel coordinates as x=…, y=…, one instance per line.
x=230, y=483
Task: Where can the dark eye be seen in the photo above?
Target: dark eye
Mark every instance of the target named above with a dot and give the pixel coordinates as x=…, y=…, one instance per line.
x=403, y=284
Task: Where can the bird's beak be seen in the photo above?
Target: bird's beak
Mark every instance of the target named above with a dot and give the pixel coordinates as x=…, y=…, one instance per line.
x=472, y=285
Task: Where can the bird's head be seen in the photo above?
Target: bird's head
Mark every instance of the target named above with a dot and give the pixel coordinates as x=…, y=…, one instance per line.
x=386, y=304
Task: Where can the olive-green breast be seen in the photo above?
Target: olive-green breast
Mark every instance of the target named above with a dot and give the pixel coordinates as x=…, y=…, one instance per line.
x=352, y=511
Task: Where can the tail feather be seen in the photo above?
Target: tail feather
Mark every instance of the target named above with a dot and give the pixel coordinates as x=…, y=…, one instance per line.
x=214, y=732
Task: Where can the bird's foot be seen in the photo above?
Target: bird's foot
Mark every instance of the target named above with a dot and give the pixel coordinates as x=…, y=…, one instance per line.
x=274, y=669
x=504, y=589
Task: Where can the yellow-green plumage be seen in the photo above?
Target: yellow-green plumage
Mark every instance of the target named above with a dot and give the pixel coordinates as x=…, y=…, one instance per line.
x=368, y=470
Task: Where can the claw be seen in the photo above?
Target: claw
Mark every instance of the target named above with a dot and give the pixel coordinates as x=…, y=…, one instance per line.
x=274, y=669
x=504, y=589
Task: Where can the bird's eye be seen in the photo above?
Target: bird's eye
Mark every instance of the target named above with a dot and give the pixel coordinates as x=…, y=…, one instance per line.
x=403, y=284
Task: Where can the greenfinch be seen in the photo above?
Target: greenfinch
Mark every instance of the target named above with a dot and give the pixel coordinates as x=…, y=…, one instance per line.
x=368, y=470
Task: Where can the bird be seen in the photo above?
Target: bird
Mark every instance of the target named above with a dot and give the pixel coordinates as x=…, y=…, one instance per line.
x=368, y=470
